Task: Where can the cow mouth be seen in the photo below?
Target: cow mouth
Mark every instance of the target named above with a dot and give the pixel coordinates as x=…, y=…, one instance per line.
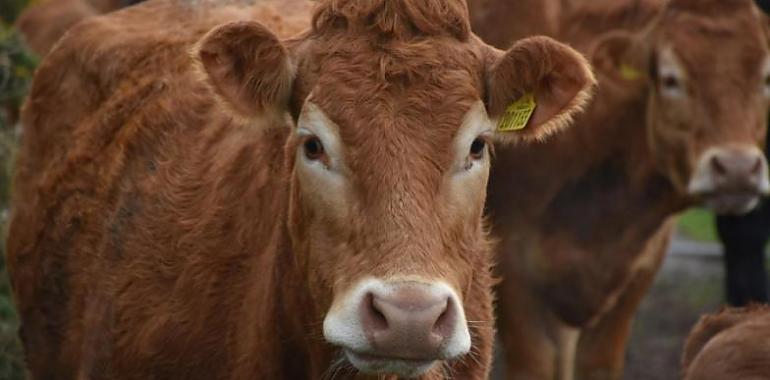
x=731, y=203
x=382, y=365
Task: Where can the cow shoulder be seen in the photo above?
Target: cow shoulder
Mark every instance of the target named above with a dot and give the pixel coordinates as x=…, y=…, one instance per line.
x=726, y=342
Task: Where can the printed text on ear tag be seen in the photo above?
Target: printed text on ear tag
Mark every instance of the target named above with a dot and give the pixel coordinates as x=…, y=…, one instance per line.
x=629, y=73
x=517, y=115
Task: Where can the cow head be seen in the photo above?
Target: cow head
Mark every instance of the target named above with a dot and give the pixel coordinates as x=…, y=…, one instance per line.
x=705, y=67
x=393, y=106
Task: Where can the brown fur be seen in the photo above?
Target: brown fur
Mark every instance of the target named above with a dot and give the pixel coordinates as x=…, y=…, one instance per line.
x=46, y=22
x=157, y=234
x=503, y=22
x=586, y=220
x=731, y=344
x=43, y=24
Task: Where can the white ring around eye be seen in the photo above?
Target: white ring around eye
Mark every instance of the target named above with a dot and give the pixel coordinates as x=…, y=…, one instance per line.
x=671, y=86
x=672, y=77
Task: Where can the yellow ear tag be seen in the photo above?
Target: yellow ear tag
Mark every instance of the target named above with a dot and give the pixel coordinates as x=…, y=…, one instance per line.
x=517, y=114
x=628, y=72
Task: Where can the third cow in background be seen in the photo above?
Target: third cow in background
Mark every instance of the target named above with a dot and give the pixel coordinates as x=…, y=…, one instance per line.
x=679, y=114
x=731, y=344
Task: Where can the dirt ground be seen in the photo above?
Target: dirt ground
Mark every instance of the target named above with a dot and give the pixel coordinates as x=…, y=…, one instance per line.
x=690, y=284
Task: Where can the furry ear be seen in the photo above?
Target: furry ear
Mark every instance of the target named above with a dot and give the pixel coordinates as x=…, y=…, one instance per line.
x=548, y=81
x=248, y=67
x=618, y=57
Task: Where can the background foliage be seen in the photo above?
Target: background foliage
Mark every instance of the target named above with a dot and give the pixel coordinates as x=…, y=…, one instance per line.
x=16, y=69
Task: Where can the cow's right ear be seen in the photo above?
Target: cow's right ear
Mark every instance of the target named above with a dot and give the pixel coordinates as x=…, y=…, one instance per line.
x=536, y=88
x=248, y=67
x=618, y=56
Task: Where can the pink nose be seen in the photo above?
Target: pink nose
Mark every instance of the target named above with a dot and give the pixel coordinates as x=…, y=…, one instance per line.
x=409, y=322
x=737, y=170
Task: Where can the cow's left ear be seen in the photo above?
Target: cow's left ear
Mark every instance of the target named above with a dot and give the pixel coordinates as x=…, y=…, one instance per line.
x=248, y=67
x=536, y=88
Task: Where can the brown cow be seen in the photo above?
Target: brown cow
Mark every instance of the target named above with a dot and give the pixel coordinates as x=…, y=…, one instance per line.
x=45, y=23
x=733, y=344
x=503, y=22
x=586, y=223
x=267, y=209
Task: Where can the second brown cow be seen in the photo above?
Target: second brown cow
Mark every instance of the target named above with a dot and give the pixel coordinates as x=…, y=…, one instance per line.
x=678, y=119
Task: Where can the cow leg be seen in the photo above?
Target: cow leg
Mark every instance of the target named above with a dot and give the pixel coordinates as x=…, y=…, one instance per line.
x=601, y=350
x=568, y=343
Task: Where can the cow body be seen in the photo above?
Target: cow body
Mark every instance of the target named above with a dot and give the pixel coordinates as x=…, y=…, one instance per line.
x=502, y=22
x=582, y=240
x=731, y=344
x=576, y=262
x=81, y=306
x=45, y=23
x=198, y=203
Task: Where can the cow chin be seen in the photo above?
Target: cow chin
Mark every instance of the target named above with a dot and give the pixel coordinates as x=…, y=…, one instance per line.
x=401, y=328
x=374, y=365
x=731, y=204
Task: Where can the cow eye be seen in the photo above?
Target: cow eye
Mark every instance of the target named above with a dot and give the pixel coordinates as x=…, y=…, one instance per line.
x=314, y=149
x=766, y=85
x=478, y=147
x=671, y=85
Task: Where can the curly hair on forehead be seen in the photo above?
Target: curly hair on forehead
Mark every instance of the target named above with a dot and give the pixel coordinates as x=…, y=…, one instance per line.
x=398, y=19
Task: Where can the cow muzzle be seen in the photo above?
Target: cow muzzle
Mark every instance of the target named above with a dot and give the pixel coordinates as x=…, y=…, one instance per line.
x=730, y=180
x=400, y=328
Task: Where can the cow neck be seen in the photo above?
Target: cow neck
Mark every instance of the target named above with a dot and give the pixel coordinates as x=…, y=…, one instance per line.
x=590, y=205
x=617, y=186
x=298, y=313
x=279, y=328
x=593, y=182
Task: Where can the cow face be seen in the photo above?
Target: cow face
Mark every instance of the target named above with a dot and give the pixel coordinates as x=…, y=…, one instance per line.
x=390, y=150
x=706, y=69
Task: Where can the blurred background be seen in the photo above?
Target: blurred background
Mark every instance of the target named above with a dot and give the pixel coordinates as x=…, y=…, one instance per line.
x=690, y=284
x=16, y=68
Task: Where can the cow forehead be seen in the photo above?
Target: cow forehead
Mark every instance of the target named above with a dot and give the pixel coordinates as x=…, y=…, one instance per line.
x=378, y=104
x=735, y=45
x=401, y=139
x=411, y=131
x=398, y=104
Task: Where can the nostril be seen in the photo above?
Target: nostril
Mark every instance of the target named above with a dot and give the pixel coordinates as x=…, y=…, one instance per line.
x=718, y=166
x=444, y=324
x=375, y=317
x=757, y=168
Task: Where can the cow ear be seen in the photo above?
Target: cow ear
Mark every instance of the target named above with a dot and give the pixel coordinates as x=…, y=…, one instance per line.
x=248, y=67
x=618, y=57
x=536, y=88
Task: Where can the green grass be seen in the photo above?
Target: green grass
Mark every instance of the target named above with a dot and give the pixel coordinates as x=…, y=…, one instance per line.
x=699, y=224
x=11, y=357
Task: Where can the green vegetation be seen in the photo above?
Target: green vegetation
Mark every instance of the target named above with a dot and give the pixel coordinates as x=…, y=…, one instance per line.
x=11, y=358
x=699, y=224
x=10, y=9
x=16, y=68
